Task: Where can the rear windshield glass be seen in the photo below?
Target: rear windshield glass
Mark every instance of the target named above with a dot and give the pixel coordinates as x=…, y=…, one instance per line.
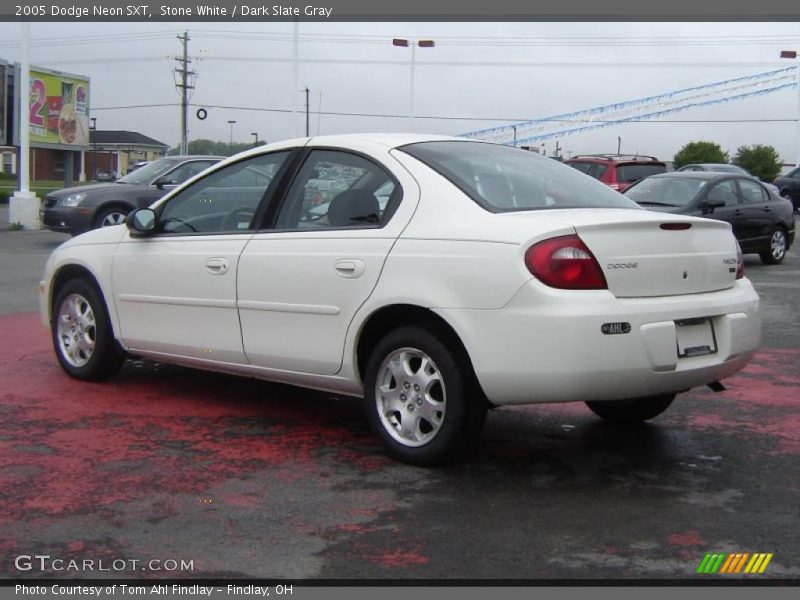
x=504, y=179
x=631, y=173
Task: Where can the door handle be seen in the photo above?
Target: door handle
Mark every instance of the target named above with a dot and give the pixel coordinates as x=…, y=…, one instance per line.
x=737, y=212
x=350, y=268
x=767, y=209
x=217, y=266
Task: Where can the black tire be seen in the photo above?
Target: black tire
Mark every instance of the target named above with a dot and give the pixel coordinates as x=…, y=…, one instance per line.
x=634, y=410
x=778, y=243
x=115, y=213
x=454, y=389
x=85, y=351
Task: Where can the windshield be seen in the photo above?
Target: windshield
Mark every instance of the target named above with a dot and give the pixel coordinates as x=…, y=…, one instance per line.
x=666, y=191
x=149, y=172
x=504, y=179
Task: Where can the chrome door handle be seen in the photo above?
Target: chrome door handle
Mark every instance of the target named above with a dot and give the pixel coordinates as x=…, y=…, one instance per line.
x=217, y=266
x=350, y=267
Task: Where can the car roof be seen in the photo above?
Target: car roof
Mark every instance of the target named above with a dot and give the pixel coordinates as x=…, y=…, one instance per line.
x=192, y=157
x=616, y=158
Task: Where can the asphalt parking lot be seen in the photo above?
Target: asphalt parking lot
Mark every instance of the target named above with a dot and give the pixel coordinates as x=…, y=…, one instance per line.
x=251, y=479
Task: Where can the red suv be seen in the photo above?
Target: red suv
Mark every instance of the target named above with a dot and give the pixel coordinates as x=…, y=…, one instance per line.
x=619, y=171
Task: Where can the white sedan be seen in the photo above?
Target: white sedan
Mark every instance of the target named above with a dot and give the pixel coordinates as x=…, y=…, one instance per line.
x=433, y=276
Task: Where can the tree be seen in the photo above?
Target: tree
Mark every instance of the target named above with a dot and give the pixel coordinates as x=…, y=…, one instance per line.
x=210, y=147
x=699, y=152
x=762, y=161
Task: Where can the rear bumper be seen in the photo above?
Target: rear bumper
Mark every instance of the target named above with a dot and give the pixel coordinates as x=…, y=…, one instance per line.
x=547, y=345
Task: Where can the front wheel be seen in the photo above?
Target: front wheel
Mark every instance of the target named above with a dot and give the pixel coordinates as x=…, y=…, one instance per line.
x=422, y=399
x=111, y=216
x=633, y=410
x=82, y=335
x=777, y=248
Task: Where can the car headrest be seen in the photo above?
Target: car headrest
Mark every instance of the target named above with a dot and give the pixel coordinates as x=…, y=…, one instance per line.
x=353, y=207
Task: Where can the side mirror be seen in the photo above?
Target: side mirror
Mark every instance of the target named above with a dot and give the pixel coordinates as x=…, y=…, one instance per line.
x=708, y=205
x=163, y=181
x=141, y=222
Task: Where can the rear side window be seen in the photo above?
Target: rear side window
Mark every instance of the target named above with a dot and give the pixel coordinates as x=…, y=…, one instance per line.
x=505, y=179
x=635, y=172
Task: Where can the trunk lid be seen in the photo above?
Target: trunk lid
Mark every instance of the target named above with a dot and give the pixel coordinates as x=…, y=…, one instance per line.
x=640, y=258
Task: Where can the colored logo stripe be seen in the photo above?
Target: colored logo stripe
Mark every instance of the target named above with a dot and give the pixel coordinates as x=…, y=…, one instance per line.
x=733, y=563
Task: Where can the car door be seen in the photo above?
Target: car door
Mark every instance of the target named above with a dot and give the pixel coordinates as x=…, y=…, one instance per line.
x=175, y=290
x=168, y=181
x=301, y=282
x=758, y=218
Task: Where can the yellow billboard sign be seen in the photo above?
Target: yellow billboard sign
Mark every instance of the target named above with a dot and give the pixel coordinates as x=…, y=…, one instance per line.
x=59, y=109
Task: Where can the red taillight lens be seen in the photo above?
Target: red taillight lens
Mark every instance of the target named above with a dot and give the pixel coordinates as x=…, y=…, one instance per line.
x=739, y=262
x=565, y=263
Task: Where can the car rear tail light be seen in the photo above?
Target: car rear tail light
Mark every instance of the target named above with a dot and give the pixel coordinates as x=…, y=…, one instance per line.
x=739, y=262
x=676, y=226
x=565, y=263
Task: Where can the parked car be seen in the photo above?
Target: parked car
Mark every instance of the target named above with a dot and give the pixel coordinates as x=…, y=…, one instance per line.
x=105, y=176
x=789, y=187
x=716, y=167
x=490, y=276
x=79, y=209
x=618, y=171
x=726, y=168
x=138, y=165
x=761, y=220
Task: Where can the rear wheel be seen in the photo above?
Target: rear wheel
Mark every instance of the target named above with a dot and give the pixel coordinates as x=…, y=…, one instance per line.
x=422, y=399
x=777, y=248
x=82, y=335
x=633, y=410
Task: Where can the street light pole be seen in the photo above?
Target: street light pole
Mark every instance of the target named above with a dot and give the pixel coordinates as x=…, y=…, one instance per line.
x=413, y=44
x=255, y=138
x=93, y=132
x=231, y=123
x=793, y=55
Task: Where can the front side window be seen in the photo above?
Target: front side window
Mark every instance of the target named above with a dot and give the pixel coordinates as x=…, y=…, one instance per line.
x=751, y=192
x=504, y=179
x=725, y=191
x=337, y=189
x=225, y=201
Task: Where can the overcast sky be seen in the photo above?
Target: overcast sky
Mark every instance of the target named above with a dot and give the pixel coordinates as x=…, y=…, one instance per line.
x=567, y=67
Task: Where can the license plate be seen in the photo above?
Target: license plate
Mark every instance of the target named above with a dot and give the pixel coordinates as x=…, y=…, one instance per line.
x=695, y=337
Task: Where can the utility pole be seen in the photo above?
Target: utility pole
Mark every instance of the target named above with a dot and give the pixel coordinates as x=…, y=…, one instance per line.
x=184, y=82
x=307, y=112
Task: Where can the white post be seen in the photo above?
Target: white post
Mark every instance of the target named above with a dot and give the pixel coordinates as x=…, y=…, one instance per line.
x=295, y=77
x=82, y=172
x=23, y=206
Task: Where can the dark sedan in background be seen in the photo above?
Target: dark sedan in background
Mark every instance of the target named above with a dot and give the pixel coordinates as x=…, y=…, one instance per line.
x=762, y=221
x=79, y=209
x=789, y=186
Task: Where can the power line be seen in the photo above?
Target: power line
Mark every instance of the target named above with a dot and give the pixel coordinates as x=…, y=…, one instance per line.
x=430, y=117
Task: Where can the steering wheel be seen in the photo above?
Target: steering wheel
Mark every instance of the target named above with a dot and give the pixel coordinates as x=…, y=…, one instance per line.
x=236, y=217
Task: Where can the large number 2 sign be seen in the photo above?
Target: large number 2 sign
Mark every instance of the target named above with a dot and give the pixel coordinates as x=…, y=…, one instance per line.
x=38, y=101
